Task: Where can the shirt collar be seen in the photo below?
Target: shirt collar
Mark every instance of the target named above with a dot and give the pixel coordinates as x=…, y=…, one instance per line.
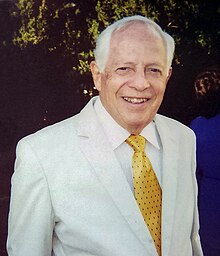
x=117, y=134
x=151, y=135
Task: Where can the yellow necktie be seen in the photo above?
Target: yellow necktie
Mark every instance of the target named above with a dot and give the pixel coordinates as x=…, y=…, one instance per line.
x=146, y=189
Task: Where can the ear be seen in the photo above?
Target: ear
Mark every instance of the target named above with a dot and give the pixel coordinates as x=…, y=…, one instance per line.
x=169, y=74
x=96, y=74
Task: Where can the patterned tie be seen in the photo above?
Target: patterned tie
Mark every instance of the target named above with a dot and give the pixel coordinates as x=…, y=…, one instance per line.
x=146, y=189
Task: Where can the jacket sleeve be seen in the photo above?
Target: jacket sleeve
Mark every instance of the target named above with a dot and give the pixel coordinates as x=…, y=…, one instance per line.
x=195, y=238
x=31, y=217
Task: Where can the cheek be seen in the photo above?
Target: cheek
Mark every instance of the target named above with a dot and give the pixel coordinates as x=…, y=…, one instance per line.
x=114, y=90
x=160, y=89
x=108, y=94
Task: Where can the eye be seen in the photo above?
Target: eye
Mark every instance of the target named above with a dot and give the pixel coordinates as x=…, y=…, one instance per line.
x=123, y=70
x=154, y=71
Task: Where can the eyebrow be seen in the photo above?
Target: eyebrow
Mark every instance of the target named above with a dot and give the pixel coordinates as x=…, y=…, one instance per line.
x=148, y=64
x=125, y=63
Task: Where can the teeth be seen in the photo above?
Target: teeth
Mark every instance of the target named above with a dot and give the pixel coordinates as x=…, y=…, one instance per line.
x=135, y=100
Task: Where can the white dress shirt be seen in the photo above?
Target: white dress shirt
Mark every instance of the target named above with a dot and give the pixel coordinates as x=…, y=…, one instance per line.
x=117, y=136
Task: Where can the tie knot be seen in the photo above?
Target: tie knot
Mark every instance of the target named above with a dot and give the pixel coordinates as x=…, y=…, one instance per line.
x=137, y=142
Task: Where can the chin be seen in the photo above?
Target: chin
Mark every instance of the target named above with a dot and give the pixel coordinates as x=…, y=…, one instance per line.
x=135, y=127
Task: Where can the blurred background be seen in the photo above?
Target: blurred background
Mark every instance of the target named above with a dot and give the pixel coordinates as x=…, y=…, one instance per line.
x=45, y=50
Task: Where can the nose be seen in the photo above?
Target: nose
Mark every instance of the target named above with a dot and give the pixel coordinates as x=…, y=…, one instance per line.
x=140, y=81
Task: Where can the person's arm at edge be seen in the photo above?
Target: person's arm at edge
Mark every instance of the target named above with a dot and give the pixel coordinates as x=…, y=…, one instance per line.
x=31, y=218
x=195, y=238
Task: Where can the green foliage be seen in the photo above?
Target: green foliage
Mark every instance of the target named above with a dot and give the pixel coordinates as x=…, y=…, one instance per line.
x=49, y=23
x=64, y=27
x=33, y=24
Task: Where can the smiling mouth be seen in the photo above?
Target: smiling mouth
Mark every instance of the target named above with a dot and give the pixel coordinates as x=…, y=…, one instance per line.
x=135, y=100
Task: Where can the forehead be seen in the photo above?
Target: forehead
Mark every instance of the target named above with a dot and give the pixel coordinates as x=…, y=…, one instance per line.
x=136, y=40
x=135, y=29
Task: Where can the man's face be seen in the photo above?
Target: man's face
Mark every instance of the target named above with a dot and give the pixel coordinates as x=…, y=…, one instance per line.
x=132, y=85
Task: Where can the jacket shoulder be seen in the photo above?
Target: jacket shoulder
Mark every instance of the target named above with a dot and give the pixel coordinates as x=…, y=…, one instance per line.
x=173, y=126
x=52, y=134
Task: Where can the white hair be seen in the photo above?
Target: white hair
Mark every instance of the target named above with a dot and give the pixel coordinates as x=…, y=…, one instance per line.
x=103, y=41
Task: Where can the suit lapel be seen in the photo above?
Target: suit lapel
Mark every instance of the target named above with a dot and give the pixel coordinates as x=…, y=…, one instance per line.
x=169, y=181
x=98, y=151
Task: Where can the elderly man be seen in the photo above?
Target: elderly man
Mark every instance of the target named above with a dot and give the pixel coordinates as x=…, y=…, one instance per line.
x=117, y=179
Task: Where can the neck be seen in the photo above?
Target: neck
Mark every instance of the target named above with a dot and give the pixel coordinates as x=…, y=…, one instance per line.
x=134, y=130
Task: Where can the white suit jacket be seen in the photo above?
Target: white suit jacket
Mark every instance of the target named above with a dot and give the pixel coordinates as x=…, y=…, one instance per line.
x=70, y=197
